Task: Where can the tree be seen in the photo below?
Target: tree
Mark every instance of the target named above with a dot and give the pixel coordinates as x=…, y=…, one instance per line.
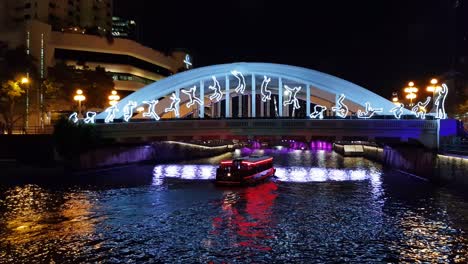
x=63, y=81
x=463, y=108
x=10, y=92
x=14, y=64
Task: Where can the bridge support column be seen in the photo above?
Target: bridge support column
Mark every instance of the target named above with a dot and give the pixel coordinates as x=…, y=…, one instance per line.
x=254, y=98
x=262, y=110
x=213, y=106
x=268, y=105
x=280, y=97
x=228, y=99
x=307, y=100
x=177, y=93
x=249, y=105
x=239, y=111
x=202, y=98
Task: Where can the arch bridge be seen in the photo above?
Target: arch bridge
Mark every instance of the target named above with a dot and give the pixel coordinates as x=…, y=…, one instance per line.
x=262, y=98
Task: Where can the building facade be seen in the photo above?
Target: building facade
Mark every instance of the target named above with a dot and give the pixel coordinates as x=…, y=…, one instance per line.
x=95, y=15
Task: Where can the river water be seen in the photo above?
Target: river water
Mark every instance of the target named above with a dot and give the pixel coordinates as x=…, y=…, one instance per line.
x=320, y=208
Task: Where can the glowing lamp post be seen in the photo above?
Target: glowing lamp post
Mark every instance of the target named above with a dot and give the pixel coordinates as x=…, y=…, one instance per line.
x=395, y=98
x=411, y=92
x=25, y=81
x=79, y=97
x=114, y=98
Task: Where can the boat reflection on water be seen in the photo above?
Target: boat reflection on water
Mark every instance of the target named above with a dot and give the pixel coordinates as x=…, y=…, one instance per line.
x=246, y=217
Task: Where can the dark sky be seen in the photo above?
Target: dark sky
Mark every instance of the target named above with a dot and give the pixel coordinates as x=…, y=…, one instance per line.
x=379, y=44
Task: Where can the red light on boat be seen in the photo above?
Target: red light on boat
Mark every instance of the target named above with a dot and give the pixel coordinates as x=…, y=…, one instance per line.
x=228, y=162
x=257, y=163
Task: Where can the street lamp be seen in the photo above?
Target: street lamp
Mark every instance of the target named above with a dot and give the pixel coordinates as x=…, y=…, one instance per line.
x=411, y=91
x=434, y=88
x=25, y=81
x=395, y=98
x=114, y=98
x=79, y=97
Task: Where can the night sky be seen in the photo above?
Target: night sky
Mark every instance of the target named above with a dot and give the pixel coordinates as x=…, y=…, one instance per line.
x=378, y=44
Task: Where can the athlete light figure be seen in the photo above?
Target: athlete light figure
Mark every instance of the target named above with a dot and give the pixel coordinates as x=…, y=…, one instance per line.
x=398, y=110
x=111, y=114
x=128, y=110
x=174, y=105
x=218, y=94
x=73, y=118
x=240, y=77
x=90, y=118
x=341, y=109
x=292, y=92
x=266, y=94
x=192, y=97
x=370, y=112
x=318, y=112
x=419, y=110
x=440, y=102
x=151, y=109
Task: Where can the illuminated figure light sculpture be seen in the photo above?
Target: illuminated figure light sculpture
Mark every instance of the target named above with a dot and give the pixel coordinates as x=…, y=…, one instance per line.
x=193, y=98
x=90, y=118
x=440, y=102
x=218, y=94
x=370, y=112
x=151, y=109
x=341, y=109
x=174, y=107
x=73, y=118
x=128, y=110
x=292, y=92
x=419, y=110
x=240, y=77
x=111, y=114
x=188, y=61
x=398, y=110
x=318, y=112
x=266, y=94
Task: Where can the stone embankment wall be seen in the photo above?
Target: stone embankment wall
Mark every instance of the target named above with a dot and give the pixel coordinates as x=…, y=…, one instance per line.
x=419, y=161
x=158, y=152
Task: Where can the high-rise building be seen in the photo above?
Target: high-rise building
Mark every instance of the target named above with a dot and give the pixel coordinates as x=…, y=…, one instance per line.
x=90, y=14
x=124, y=28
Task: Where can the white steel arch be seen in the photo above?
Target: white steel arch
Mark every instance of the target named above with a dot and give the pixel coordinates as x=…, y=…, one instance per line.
x=309, y=78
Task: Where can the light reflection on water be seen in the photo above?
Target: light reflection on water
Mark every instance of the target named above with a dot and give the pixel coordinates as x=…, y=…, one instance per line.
x=321, y=208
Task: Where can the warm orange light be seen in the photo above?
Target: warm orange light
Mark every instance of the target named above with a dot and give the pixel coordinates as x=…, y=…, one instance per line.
x=395, y=99
x=434, y=81
x=79, y=91
x=24, y=80
x=113, y=98
x=411, y=84
x=140, y=109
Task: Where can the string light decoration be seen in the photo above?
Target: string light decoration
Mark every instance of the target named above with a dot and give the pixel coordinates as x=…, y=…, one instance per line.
x=419, y=110
x=318, y=112
x=369, y=113
x=151, y=110
x=266, y=94
x=111, y=111
x=292, y=92
x=128, y=110
x=192, y=97
x=73, y=118
x=174, y=107
x=90, y=118
x=241, y=85
x=341, y=109
x=398, y=110
x=216, y=87
x=440, y=102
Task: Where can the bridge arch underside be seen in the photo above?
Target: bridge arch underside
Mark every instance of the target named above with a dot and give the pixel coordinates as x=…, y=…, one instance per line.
x=246, y=90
